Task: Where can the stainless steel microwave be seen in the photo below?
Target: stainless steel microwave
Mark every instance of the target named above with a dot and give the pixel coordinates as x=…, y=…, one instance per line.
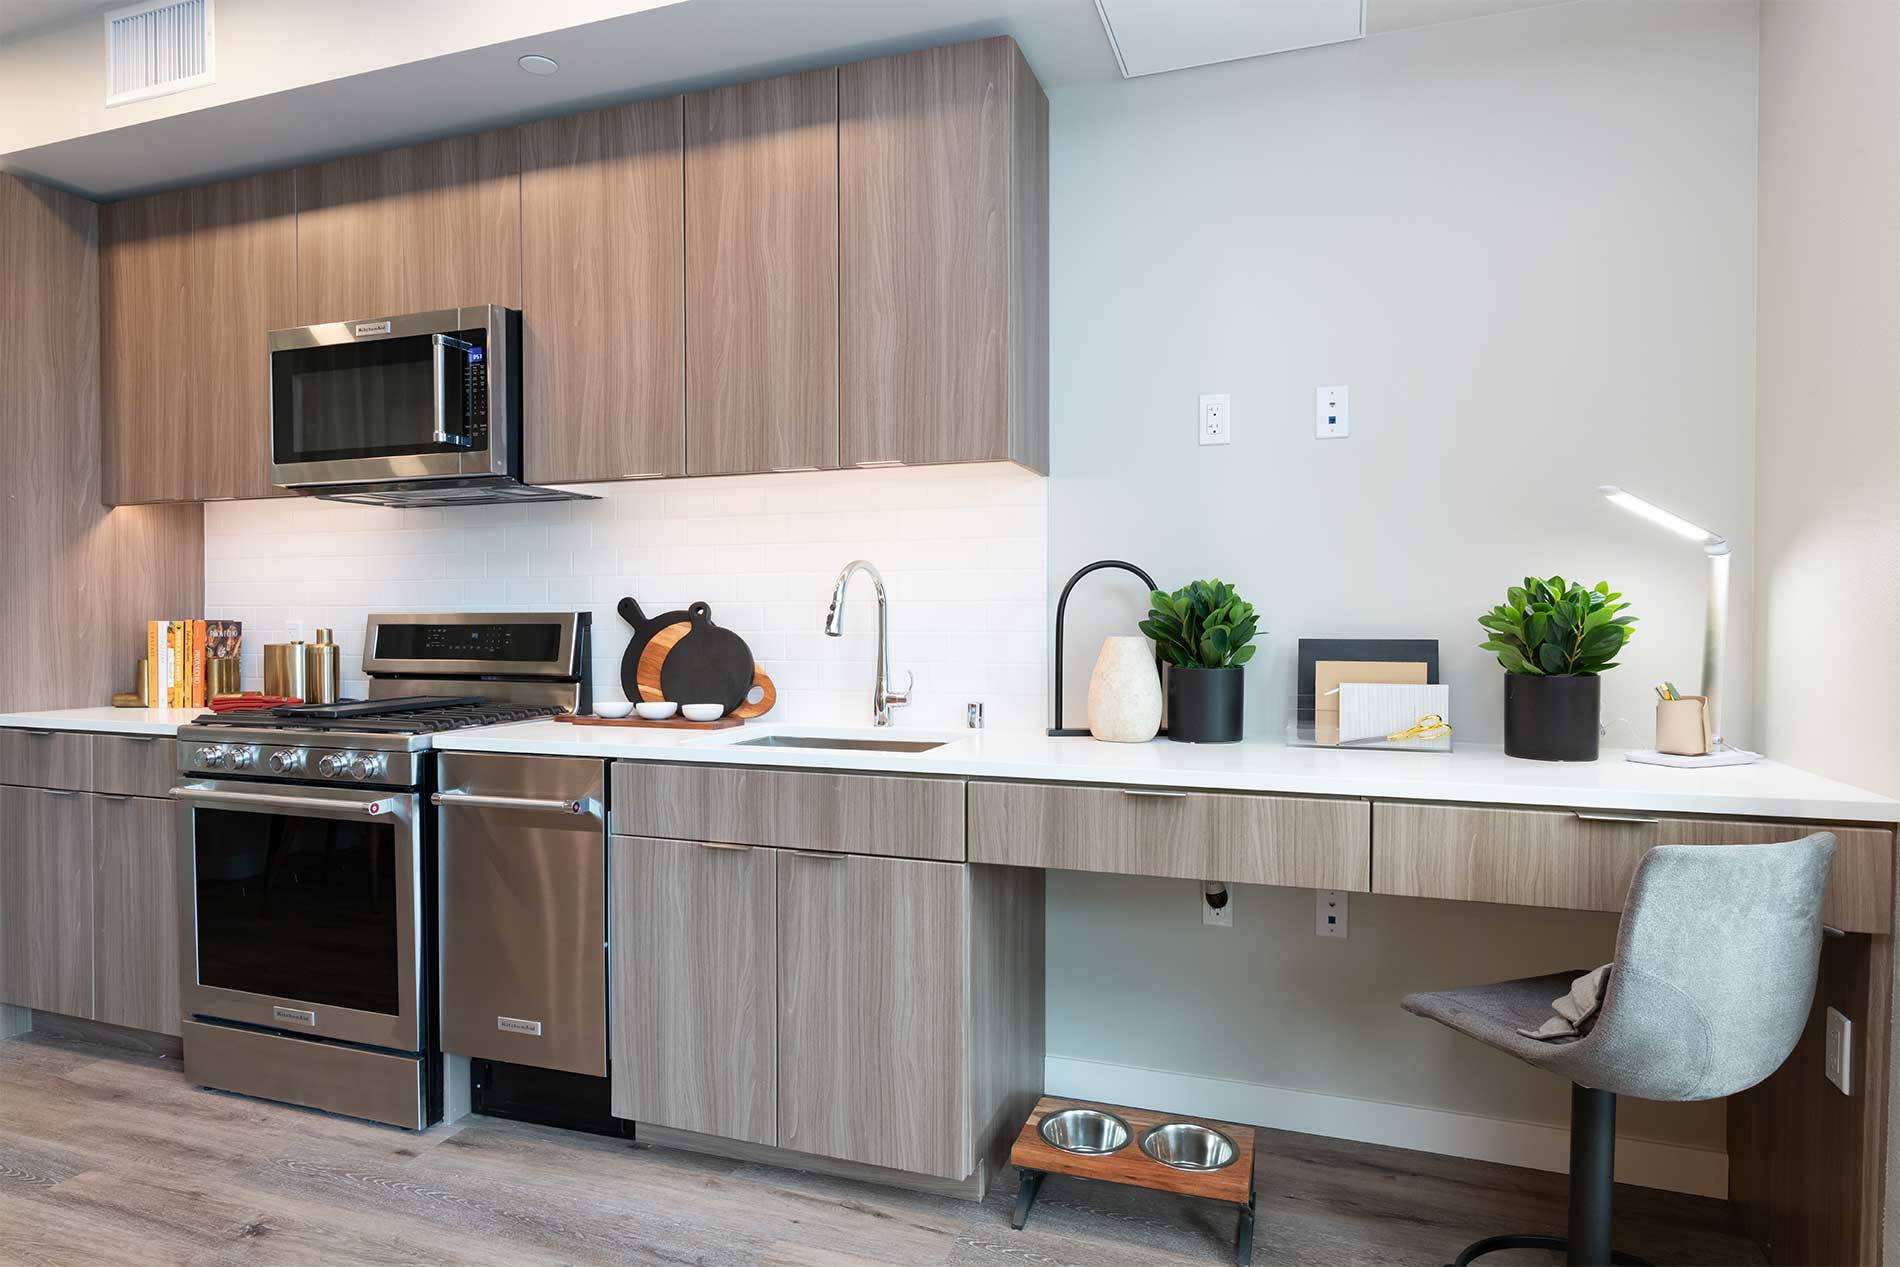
x=417, y=410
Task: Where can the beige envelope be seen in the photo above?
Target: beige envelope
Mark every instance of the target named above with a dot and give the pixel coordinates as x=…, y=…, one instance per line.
x=1328, y=674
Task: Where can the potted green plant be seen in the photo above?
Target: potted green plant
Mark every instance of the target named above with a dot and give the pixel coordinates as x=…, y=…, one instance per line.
x=1205, y=633
x=1553, y=638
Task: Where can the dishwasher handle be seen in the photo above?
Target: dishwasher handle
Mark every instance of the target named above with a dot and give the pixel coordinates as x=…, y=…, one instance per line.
x=585, y=806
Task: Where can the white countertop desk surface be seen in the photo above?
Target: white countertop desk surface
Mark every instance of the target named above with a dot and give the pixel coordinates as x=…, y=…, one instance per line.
x=1474, y=773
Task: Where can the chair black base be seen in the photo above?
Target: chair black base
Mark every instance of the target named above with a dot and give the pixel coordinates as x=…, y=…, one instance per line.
x=1478, y=1249
x=1592, y=1180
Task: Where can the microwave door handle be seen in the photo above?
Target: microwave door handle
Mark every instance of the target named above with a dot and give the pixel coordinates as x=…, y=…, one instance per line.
x=439, y=346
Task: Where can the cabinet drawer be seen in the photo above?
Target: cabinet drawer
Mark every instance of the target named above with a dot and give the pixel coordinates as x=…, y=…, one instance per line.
x=134, y=765
x=876, y=814
x=1284, y=840
x=1583, y=860
x=46, y=758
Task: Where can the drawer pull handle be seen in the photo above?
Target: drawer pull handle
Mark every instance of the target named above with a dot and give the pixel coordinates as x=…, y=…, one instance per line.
x=111, y=796
x=714, y=844
x=1153, y=795
x=39, y=734
x=1615, y=818
x=817, y=855
x=139, y=738
x=53, y=791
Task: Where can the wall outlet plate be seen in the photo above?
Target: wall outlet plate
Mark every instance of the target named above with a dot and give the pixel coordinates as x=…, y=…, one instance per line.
x=1329, y=915
x=1840, y=1051
x=1332, y=419
x=1217, y=419
x=1217, y=905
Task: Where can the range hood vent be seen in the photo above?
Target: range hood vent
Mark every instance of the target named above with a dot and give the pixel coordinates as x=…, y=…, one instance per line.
x=479, y=491
x=159, y=47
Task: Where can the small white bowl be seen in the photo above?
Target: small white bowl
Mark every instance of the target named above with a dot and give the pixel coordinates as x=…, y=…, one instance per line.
x=703, y=712
x=656, y=712
x=613, y=710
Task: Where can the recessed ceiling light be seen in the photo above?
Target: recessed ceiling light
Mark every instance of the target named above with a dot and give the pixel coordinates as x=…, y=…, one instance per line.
x=535, y=64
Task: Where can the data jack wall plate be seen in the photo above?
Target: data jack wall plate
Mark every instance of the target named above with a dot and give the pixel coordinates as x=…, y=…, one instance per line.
x=1332, y=418
x=1329, y=914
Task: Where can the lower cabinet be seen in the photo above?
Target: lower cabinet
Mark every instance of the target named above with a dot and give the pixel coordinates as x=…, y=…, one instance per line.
x=825, y=1002
x=695, y=966
x=46, y=900
x=135, y=913
x=872, y=1045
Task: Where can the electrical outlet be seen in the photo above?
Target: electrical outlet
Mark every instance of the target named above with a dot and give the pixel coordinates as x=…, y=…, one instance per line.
x=1329, y=917
x=1840, y=1051
x=1217, y=419
x=1331, y=419
x=1217, y=905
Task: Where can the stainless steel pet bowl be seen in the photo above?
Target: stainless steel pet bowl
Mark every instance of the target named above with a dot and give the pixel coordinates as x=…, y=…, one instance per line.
x=1089, y=1131
x=1188, y=1146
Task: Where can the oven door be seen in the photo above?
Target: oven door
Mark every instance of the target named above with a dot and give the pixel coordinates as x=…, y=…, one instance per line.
x=395, y=398
x=299, y=909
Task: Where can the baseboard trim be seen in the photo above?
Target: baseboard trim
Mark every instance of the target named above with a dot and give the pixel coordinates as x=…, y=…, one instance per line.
x=1537, y=1145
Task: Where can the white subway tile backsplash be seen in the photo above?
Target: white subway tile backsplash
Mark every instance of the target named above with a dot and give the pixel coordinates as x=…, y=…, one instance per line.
x=963, y=551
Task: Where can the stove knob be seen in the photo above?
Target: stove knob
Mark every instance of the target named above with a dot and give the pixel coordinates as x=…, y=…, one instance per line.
x=369, y=767
x=243, y=758
x=333, y=764
x=211, y=757
x=286, y=761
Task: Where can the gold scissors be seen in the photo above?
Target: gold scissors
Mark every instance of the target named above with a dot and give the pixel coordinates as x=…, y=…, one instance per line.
x=1430, y=726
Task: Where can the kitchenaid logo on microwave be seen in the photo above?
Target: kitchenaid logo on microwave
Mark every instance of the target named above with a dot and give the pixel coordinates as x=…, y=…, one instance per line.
x=513, y=1025
x=371, y=327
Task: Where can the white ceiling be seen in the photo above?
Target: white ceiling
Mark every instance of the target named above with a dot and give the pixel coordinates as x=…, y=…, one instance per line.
x=1153, y=36
x=680, y=47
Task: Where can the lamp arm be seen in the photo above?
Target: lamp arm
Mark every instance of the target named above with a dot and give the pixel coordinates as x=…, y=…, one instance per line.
x=1715, y=640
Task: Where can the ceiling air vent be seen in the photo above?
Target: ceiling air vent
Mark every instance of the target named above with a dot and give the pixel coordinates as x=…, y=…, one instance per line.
x=159, y=47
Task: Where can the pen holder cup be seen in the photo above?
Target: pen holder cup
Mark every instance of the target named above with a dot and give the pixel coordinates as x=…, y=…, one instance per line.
x=1682, y=726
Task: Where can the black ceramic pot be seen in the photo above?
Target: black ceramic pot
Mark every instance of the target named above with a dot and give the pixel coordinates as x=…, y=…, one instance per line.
x=1552, y=718
x=1204, y=705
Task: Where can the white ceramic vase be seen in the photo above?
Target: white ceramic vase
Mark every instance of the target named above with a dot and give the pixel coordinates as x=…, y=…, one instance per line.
x=1125, y=692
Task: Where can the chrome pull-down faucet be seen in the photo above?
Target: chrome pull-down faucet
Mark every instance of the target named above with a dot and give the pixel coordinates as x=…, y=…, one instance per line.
x=883, y=698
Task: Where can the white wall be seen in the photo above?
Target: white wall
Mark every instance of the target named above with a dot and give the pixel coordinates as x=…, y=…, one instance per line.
x=961, y=549
x=1527, y=244
x=1828, y=429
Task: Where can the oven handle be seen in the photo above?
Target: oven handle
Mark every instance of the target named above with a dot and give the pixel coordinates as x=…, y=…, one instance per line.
x=439, y=346
x=583, y=805
x=384, y=807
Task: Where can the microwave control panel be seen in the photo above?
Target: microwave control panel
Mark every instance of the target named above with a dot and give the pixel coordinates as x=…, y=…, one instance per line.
x=475, y=388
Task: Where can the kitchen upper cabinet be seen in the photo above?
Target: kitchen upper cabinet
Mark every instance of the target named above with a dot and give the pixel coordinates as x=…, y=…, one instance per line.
x=873, y=1003
x=603, y=292
x=762, y=275
x=410, y=230
x=135, y=913
x=943, y=248
x=191, y=283
x=695, y=959
x=46, y=896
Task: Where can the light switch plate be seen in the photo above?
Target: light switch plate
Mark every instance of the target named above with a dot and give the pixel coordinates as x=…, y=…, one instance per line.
x=1332, y=419
x=1840, y=1051
x=1329, y=916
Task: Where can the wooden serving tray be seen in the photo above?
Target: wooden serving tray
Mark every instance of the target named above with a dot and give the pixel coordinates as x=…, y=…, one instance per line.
x=671, y=723
x=1129, y=1164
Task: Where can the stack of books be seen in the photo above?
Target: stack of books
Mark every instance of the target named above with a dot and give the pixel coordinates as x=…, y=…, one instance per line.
x=175, y=655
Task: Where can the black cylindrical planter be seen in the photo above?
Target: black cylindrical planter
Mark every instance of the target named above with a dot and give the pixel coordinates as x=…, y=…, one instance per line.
x=1204, y=705
x=1552, y=718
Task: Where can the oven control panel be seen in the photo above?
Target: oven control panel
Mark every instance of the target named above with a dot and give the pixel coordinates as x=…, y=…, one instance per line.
x=299, y=764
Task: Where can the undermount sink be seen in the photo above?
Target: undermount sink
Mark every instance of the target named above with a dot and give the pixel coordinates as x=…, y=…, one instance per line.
x=840, y=742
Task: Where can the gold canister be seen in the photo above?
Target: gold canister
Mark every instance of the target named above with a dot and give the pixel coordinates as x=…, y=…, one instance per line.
x=144, y=688
x=221, y=678
x=323, y=665
x=284, y=669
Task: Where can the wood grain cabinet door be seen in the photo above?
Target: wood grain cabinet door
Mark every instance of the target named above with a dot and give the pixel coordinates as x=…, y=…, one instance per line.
x=46, y=894
x=695, y=984
x=943, y=248
x=191, y=283
x=873, y=1030
x=135, y=913
x=762, y=276
x=411, y=230
x=603, y=298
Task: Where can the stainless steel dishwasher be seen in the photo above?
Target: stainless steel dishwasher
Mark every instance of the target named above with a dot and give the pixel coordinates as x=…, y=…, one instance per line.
x=523, y=846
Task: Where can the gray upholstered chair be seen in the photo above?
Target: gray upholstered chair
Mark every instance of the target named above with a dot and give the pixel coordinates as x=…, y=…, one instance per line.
x=1715, y=966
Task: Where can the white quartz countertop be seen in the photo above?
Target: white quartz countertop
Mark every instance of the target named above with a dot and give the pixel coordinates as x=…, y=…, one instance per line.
x=105, y=721
x=1473, y=773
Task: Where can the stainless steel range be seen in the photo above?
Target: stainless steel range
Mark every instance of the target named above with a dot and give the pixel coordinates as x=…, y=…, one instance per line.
x=308, y=895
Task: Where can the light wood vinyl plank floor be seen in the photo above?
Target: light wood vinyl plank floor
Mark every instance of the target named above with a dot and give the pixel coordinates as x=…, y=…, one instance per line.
x=107, y=1157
